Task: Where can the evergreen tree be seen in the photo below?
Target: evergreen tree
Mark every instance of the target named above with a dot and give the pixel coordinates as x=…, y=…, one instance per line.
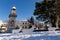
x=31, y=20
x=46, y=11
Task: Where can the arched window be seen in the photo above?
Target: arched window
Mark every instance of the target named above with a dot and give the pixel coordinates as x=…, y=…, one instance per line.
x=25, y=27
x=12, y=22
x=22, y=26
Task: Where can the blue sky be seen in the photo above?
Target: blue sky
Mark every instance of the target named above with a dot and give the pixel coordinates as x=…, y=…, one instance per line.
x=25, y=8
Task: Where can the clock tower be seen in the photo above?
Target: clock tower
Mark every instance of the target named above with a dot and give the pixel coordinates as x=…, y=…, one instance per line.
x=12, y=20
x=12, y=16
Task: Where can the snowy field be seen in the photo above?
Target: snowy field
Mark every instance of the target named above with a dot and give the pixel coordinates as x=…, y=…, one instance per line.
x=30, y=36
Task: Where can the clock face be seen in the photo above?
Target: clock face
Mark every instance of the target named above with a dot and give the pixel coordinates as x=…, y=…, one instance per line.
x=12, y=22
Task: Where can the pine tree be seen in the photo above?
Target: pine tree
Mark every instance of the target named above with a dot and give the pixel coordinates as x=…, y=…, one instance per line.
x=46, y=11
x=31, y=20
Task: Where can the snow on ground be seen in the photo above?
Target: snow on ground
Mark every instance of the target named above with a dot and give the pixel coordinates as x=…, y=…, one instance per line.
x=30, y=36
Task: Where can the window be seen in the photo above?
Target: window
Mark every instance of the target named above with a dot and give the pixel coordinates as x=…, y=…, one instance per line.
x=23, y=27
x=23, y=23
x=26, y=23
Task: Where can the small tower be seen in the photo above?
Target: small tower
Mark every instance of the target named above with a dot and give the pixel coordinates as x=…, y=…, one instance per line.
x=12, y=20
x=12, y=16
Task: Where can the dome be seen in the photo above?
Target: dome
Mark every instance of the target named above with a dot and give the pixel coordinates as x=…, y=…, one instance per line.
x=13, y=7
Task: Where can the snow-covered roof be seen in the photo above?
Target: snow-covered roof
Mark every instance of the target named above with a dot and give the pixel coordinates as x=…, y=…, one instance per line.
x=1, y=22
x=24, y=20
x=13, y=7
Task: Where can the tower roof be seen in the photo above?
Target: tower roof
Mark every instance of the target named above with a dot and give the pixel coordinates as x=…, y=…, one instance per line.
x=13, y=12
x=13, y=7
